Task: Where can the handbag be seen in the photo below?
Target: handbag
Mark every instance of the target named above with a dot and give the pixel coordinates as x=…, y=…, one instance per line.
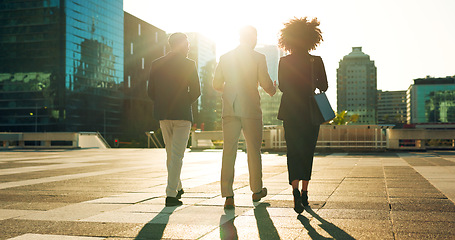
x=321, y=110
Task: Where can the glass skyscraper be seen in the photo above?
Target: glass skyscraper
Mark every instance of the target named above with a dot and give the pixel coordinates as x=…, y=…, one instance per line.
x=61, y=65
x=431, y=100
x=270, y=105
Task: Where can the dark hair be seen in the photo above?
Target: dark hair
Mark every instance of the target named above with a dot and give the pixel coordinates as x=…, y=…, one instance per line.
x=176, y=39
x=300, y=34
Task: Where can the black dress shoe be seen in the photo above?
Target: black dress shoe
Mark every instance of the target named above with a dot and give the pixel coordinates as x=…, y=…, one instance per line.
x=172, y=201
x=180, y=193
x=298, y=207
x=305, y=198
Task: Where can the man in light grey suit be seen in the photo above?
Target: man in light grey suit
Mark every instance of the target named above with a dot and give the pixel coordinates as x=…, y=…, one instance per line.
x=237, y=76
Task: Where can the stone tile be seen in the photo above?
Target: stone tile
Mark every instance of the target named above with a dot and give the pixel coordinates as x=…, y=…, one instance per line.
x=427, y=216
x=12, y=213
x=126, y=198
x=330, y=229
x=170, y=231
x=413, y=236
x=71, y=212
x=122, y=217
x=356, y=224
x=253, y=233
x=415, y=193
x=240, y=200
x=422, y=204
x=199, y=215
x=361, y=194
x=357, y=205
x=52, y=237
x=433, y=227
x=354, y=214
x=340, y=198
x=16, y=227
x=161, y=201
x=39, y=206
x=277, y=212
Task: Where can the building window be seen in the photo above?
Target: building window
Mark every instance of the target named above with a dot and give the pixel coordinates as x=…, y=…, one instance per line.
x=139, y=29
x=129, y=81
x=131, y=48
x=142, y=63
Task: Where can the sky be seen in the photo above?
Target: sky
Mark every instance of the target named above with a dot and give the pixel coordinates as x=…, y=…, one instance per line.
x=407, y=39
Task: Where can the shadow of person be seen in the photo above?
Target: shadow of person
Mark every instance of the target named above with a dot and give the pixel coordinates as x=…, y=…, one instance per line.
x=265, y=225
x=330, y=228
x=227, y=227
x=311, y=231
x=154, y=229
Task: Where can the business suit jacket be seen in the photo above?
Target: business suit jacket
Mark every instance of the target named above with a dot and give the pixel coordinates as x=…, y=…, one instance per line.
x=295, y=81
x=238, y=75
x=173, y=87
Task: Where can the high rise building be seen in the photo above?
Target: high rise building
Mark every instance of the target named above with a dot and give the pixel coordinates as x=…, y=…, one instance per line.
x=392, y=107
x=431, y=100
x=61, y=65
x=270, y=105
x=357, y=86
x=143, y=43
x=207, y=109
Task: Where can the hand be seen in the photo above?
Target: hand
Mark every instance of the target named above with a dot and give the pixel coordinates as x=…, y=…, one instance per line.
x=273, y=91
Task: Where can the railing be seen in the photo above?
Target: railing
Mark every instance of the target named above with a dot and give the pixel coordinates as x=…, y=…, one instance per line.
x=151, y=136
x=335, y=136
x=330, y=136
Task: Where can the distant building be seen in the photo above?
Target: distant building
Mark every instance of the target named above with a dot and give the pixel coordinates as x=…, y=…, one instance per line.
x=207, y=109
x=61, y=66
x=392, y=107
x=143, y=43
x=431, y=100
x=357, y=86
x=270, y=105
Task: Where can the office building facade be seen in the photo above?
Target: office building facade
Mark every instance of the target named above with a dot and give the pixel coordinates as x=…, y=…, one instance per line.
x=357, y=86
x=143, y=43
x=392, y=107
x=61, y=65
x=431, y=100
x=207, y=109
x=270, y=105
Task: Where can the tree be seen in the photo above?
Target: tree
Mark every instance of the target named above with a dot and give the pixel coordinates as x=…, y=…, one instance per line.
x=342, y=118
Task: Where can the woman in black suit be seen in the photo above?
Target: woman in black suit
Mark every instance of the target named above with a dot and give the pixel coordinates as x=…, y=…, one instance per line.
x=299, y=74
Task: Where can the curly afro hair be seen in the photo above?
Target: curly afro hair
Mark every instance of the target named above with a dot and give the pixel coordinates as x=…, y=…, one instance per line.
x=300, y=34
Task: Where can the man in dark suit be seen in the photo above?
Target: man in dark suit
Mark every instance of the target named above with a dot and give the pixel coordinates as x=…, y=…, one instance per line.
x=173, y=87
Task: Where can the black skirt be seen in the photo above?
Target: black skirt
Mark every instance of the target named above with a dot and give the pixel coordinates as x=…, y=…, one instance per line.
x=301, y=138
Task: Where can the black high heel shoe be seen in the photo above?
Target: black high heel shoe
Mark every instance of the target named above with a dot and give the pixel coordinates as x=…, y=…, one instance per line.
x=305, y=198
x=298, y=207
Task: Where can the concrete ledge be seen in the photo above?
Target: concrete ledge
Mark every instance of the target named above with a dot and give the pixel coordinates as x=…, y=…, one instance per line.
x=52, y=140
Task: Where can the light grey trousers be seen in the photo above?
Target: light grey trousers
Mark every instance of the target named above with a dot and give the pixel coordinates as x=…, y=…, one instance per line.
x=252, y=130
x=175, y=135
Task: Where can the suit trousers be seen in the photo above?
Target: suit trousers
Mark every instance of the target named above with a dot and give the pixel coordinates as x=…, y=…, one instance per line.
x=175, y=135
x=252, y=130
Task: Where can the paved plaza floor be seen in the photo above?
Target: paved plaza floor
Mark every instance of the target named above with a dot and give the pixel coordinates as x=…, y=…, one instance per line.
x=119, y=194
